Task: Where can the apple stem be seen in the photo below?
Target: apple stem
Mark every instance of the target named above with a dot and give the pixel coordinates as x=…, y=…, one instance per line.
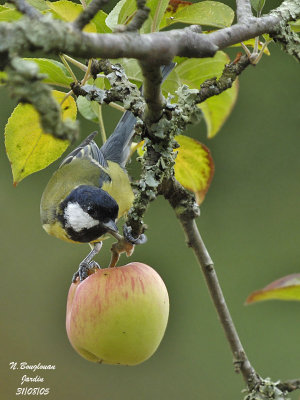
x=241, y=361
x=121, y=246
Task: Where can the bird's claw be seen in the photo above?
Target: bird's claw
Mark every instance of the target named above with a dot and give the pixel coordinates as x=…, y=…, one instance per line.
x=83, y=271
x=128, y=236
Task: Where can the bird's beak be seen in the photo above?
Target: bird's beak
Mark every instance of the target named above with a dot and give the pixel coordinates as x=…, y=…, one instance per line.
x=111, y=226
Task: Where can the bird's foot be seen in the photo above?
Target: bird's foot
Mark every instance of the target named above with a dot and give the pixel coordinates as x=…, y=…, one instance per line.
x=141, y=239
x=83, y=271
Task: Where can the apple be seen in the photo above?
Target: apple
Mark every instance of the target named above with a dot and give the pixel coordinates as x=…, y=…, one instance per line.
x=118, y=315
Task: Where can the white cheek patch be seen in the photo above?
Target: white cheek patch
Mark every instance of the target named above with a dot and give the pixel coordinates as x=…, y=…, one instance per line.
x=77, y=219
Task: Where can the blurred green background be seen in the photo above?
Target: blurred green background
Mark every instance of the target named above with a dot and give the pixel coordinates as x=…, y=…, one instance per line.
x=250, y=222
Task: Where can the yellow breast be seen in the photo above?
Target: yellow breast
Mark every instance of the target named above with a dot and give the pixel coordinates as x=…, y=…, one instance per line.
x=119, y=188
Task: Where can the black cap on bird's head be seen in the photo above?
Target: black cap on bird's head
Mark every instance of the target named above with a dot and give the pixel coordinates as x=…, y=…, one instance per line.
x=87, y=213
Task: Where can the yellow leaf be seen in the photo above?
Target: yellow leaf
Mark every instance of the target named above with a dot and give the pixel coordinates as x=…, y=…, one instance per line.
x=28, y=148
x=68, y=12
x=194, y=167
x=286, y=288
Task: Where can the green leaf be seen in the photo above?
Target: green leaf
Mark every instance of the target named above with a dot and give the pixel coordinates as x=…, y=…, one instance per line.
x=295, y=25
x=211, y=13
x=157, y=11
x=217, y=109
x=28, y=148
x=171, y=84
x=8, y=14
x=174, y=6
x=194, y=167
x=121, y=14
x=68, y=12
x=125, y=10
x=40, y=5
x=3, y=77
x=286, y=288
x=194, y=72
x=258, y=5
x=57, y=73
x=86, y=109
x=99, y=21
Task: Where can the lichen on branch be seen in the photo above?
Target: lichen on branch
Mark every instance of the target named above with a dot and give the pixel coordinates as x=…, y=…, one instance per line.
x=121, y=88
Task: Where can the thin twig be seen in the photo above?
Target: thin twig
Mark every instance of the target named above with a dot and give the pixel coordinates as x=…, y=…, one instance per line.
x=88, y=13
x=138, y=20
x=289, y=386
x=213, y=87
x=240, y=358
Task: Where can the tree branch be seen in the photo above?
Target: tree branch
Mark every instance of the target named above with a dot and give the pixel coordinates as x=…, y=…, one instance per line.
x=152, y=92
x=88, y=13
x=289, y=40
x=54, y=36
x=243, y=10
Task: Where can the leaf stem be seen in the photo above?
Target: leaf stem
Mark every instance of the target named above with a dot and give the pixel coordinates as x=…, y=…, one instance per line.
x=87, y=72
x=66, y=96
x=116, y=106
x=101, y=124
x=63, y=59
x=75, y=62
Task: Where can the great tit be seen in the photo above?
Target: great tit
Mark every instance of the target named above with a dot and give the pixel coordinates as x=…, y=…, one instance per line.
x=91, y=190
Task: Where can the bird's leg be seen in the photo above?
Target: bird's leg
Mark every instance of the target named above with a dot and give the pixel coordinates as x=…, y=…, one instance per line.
x=122, y=246
x=87, y=263
x=141, y=239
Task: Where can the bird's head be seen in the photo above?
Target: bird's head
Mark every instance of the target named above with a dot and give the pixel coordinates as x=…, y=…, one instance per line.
x=87, y=213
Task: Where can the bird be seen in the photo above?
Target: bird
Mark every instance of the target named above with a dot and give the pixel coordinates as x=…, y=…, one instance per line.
x=91, y=190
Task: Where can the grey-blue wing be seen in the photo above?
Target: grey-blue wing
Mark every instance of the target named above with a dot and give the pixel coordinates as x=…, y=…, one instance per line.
x=87, y=149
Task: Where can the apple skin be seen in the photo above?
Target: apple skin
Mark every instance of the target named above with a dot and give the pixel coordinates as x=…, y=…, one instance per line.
x=118, y=315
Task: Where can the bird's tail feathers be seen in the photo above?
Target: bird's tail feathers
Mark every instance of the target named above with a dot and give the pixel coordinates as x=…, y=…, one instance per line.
x=117, y=147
